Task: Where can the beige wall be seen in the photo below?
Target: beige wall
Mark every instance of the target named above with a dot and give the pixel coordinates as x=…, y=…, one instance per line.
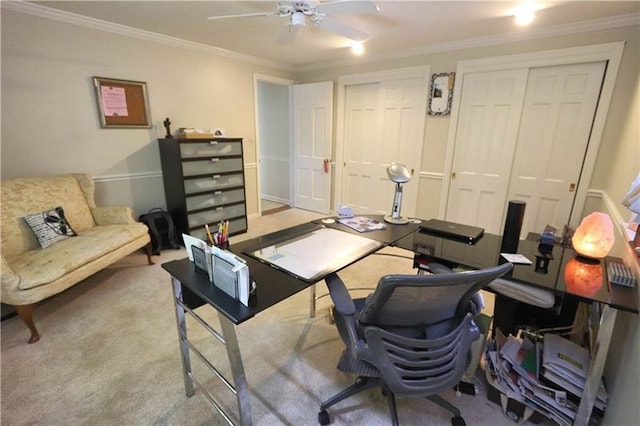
x=50, y=122
x=50, y=125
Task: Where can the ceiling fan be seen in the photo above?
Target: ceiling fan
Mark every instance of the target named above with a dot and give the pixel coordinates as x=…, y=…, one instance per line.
x=298, y=11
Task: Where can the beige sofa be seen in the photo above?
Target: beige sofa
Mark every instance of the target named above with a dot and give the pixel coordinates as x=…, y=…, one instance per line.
x=30, y=273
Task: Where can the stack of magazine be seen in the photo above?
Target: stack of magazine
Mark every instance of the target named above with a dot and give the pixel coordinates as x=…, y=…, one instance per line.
x=547, y=377
x=362, y=223
x=566, y=364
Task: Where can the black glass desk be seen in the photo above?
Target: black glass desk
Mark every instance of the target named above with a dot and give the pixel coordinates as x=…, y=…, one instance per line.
x=559, y=270
x=191, y=289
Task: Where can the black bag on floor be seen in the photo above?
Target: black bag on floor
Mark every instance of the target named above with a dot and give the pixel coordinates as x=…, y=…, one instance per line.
x=161, y=230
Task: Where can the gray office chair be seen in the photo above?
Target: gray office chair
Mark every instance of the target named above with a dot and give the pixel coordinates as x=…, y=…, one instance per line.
x=411, y=336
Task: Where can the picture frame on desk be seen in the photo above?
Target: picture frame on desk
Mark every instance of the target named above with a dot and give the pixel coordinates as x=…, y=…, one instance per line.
x=122, y=103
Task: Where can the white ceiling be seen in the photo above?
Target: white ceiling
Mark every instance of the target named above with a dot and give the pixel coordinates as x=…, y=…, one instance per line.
x=401, y=28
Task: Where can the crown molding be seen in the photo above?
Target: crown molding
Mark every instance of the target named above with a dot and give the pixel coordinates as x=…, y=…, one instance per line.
x=100, y=25
x=553, y=31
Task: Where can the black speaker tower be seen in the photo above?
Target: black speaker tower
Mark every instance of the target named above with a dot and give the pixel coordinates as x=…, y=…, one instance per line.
x=512, y=226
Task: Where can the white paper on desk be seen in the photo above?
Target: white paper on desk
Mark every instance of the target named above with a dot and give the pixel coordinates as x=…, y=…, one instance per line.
x=316, y=253
x=516, y=258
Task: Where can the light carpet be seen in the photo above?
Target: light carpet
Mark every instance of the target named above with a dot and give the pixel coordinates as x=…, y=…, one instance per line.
x=108, y=355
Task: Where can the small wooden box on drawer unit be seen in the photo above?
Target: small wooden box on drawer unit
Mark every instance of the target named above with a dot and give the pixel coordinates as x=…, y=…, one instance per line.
x=204, y=184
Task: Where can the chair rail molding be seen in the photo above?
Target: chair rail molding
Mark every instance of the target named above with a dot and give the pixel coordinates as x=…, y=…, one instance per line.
x=127, y=176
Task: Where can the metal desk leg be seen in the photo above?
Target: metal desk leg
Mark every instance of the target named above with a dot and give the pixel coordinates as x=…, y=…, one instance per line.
x=598, y=359
x=182, y=337
x=237, y=369
x=312, y=301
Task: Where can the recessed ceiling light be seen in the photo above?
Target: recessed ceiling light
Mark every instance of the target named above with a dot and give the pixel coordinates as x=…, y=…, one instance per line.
x=357, y=49
x=525, y=13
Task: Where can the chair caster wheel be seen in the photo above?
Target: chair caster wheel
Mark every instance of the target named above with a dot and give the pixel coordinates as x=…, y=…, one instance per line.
x=457, y=421
x=323, y=417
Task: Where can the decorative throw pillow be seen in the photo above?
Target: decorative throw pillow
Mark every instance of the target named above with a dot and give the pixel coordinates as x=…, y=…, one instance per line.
x=50, y=226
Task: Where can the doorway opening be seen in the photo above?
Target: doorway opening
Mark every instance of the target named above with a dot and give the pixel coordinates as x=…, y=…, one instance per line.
x=273, y=133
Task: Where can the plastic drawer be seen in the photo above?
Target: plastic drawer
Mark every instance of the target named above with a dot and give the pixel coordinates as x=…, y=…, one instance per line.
x=192, y=186
x=210, y=166
x=218, y=198
x=215, y=215
x=210, y=149
x=235, y=226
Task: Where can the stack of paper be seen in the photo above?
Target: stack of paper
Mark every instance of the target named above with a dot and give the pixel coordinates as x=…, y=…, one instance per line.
x=362, y=223
x=567, y=365
x=513, y=367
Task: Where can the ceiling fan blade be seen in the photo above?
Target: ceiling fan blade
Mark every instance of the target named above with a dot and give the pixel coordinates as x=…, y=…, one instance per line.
x=343, y=30
x=242, y=15
x=347, y=7
x=287, y=34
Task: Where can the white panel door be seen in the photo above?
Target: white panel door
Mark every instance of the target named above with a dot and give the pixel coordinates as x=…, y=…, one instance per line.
x=312, y=130
x=490, y=109
x=559, y=107
x=384, y=123
x=361, y=179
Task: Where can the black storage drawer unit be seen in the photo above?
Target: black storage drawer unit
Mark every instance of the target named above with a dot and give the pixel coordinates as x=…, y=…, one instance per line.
x=204, y=184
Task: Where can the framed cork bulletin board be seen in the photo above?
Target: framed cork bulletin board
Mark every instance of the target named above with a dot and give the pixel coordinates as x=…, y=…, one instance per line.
x=122, y=103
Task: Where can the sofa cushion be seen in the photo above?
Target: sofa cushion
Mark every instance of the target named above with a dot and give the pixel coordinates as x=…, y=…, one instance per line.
x=24, y=196
x=50, y=226
x=40, y=267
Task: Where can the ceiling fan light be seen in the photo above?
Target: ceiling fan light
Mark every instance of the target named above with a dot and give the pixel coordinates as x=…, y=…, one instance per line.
x=297, y=19
x=357, y=49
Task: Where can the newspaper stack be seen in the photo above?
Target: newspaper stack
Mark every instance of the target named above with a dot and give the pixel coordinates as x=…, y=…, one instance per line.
x=566, y=364
x=513, y=367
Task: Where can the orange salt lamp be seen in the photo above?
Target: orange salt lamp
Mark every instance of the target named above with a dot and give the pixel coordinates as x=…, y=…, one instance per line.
x=583, y=278
x=594, y=237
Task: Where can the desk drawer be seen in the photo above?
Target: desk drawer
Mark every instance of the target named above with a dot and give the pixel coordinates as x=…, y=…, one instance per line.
x=210, y=149
x=215, y=182
x=215, y=215
x=210, y=166
x=216, y=199
x=235, y=227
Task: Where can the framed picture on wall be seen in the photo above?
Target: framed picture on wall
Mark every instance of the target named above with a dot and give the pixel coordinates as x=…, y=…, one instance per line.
x=441, y=93
x=122, y=103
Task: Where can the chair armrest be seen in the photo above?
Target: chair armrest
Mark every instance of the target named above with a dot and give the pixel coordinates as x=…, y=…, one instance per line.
x=9, y=279
x=112, y=215
x=339, y=295
x=347, y=309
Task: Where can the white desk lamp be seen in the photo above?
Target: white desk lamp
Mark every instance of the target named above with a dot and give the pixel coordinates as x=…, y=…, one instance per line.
x=399, y=174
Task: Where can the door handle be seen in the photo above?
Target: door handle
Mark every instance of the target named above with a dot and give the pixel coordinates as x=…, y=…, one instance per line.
x=325, y=165
x=572, y=187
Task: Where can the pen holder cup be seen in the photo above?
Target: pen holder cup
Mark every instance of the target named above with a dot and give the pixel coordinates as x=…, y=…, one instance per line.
x=223, y=246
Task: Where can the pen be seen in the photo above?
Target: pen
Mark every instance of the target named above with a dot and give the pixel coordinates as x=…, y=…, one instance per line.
x=206, y=227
